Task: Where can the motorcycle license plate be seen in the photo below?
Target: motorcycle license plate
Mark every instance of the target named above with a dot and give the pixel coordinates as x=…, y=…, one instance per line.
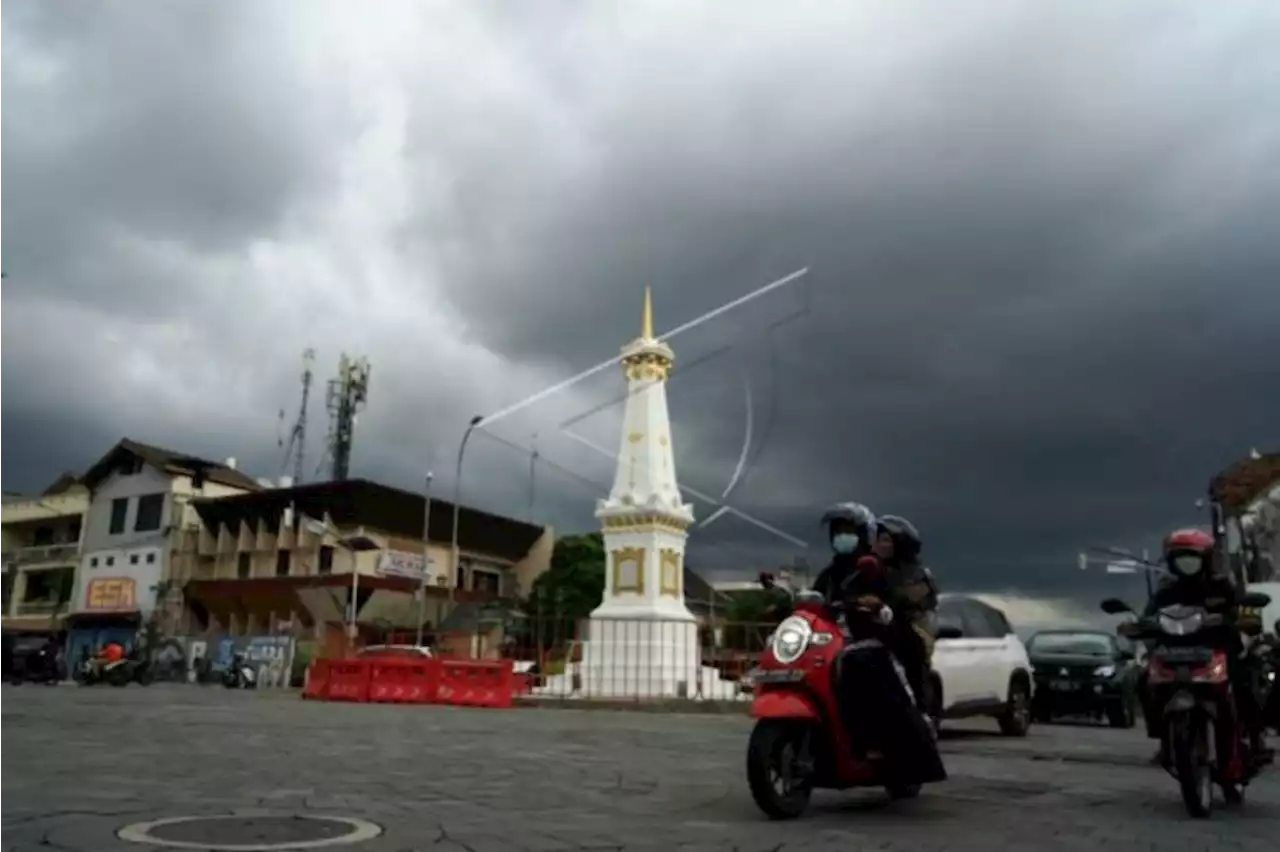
x=1062, y=685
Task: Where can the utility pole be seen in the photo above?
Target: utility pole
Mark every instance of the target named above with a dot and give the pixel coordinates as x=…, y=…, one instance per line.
x=426, y=558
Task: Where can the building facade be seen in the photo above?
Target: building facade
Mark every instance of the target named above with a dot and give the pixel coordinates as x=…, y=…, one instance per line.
x=41, y=551
x=300, y=559
x=138, y=511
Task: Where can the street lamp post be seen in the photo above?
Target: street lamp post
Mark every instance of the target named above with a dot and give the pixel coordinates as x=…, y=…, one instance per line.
x=457, y=503
x=426, y=559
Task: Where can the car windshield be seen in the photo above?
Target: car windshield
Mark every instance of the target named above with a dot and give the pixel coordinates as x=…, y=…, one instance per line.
x=1093, y=644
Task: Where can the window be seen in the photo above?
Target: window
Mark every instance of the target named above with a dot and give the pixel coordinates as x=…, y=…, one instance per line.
x=151, y=558
x=326, y=560
x=119, y=511
x=244, y=566
x=979, y=623
x=73, y=531
x=486, y=581
x=133, y=559
x=93, y=562
x=111, y=560
x=282, y=562
x=150, y=508
x=42, y=537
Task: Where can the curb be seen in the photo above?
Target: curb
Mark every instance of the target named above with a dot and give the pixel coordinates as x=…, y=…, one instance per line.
x=668, y=705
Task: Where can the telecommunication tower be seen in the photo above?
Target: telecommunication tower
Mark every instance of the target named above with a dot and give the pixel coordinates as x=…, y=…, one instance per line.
x=347, y=396
x=296, y=448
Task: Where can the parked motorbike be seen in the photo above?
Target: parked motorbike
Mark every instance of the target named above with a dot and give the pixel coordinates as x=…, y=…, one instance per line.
x=1188, y=684
x=805, y=739
x=239, y=674
x=118, y=673
x=39, y=665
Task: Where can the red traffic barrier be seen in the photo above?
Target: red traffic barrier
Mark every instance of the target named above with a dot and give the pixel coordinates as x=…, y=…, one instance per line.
x=401, y=681
x=317, y=685
x=348, y=680
x=475, y=684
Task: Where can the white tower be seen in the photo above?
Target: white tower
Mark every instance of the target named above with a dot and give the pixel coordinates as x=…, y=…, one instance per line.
x=642, y=638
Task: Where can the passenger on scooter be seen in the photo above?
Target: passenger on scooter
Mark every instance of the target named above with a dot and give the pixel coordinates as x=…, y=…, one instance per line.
x=914, y=600
x=1196, y=578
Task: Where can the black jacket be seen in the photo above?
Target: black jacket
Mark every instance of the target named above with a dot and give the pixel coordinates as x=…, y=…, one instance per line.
x=849, y=576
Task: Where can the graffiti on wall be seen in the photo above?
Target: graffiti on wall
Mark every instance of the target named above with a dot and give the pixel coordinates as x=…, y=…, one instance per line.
x=270, y=656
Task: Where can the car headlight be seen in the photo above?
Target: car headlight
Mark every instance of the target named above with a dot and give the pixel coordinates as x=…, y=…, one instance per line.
x=791, y=639
x=1184, y=626
x=1105, y=671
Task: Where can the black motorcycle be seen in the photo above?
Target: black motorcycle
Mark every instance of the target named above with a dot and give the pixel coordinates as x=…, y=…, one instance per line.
x=39, y=665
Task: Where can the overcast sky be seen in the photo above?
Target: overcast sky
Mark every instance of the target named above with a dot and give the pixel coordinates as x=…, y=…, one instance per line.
x=1044, y=243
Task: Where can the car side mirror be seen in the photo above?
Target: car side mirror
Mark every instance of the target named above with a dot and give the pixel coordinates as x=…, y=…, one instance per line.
x=949, y=631
x=1115, y=606
x=1255, y=600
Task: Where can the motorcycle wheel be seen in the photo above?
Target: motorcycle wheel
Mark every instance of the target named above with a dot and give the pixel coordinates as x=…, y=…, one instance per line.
x=1191, y=762
x=903, y=791
x=772, y=756
x=146, y=677
x=116, y=677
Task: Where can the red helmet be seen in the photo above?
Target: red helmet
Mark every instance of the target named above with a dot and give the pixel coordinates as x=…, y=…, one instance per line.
x=1187, y=551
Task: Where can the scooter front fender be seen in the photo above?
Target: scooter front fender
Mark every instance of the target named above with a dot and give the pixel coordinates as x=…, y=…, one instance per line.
x=784, y=704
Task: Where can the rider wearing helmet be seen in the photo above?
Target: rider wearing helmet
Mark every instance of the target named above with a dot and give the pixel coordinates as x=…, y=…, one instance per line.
x=851, y=529
x=1197, y=578
x=915, y=598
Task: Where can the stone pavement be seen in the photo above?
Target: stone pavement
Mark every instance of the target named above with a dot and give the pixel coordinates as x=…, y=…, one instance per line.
x=80, y=763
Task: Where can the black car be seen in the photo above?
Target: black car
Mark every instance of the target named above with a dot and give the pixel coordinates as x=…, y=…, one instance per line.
x=1083, y=673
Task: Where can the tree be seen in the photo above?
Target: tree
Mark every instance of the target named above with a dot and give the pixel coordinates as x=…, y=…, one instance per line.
x=574, y=583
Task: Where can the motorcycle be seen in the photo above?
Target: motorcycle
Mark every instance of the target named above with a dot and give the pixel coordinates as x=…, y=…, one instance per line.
x=121, y=672
x=40, y=665
x=239, y=674
x=1188, y=686
x=805, y=739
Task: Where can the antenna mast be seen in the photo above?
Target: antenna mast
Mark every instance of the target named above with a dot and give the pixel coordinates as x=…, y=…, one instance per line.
x=296, y=449
x=347, y=395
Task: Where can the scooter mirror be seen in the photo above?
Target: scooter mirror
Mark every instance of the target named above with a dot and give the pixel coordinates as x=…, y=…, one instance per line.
x=1255, y=600
x=1115, y=606
x=766, y=580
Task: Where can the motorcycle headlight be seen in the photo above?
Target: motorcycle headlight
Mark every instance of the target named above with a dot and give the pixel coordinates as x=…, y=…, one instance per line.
x=790, y=639
x=1181, y=626
x=1105, y=671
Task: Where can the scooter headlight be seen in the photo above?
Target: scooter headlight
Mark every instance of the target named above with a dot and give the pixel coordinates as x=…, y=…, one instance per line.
x=791, y=639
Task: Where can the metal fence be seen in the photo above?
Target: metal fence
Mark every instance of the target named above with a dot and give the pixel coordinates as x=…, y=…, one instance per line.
x=623, y=658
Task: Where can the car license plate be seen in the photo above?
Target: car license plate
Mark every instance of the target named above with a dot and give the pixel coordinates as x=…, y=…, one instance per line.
x=1062, y=685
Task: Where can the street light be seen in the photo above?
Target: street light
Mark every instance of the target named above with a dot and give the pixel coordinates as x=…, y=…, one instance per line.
x=353, y=544
x=426, y=559
x=457, y=503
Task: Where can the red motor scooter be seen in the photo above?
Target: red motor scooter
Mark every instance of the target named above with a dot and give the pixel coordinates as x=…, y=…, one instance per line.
x=800, y=741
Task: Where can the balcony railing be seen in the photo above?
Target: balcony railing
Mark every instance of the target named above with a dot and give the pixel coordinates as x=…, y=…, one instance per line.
x=55, y=553
x=39, y=608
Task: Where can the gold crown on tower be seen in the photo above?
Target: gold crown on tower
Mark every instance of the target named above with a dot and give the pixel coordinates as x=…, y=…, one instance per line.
x=646, y=357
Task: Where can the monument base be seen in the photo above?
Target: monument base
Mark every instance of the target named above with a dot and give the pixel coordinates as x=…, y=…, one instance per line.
x=658, y=656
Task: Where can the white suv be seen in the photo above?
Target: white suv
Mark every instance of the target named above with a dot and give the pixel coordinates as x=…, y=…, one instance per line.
x=984, y=671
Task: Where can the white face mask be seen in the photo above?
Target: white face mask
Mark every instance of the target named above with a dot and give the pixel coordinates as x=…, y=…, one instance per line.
x=1187, y=564
x=844, y=543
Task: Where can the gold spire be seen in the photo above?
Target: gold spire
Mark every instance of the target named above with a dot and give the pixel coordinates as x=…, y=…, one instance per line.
x=646, y=328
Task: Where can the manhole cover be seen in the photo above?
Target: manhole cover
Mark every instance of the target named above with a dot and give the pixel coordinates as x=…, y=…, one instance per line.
x=250, y=833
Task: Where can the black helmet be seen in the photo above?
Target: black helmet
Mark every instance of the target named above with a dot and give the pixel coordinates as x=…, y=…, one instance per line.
x=855, y=513
x=906, y=538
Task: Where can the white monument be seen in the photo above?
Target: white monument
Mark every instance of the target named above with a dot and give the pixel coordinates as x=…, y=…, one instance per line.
x=642, y=641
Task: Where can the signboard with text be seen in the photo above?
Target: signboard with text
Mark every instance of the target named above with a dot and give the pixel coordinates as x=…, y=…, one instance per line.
x=401, y=563
x=111, y=594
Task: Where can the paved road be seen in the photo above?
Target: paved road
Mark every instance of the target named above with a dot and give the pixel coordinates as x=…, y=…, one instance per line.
x=79, y=763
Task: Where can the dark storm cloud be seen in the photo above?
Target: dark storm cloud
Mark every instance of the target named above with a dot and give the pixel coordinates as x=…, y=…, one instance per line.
x=1043, y=244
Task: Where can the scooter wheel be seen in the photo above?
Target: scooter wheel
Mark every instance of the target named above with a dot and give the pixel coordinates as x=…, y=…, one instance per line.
x=772, y=759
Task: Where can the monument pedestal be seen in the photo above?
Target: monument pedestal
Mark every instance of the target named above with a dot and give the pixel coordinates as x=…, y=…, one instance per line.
x=646, y=657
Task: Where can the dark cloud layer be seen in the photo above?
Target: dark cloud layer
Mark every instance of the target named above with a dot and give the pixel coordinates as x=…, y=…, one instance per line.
x=1043, y=244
